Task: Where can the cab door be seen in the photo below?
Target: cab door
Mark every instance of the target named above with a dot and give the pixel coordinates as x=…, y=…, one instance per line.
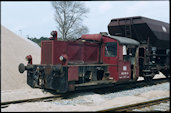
x=110, y=56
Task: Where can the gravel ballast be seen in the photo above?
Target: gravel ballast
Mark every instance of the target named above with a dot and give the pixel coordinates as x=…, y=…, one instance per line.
x=93, y=102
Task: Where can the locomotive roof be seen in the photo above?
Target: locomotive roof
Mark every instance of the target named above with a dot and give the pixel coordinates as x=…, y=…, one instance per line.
x=124, y=40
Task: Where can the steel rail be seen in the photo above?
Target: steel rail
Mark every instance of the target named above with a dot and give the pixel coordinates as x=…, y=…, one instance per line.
x=137, y=105
x=45, y=99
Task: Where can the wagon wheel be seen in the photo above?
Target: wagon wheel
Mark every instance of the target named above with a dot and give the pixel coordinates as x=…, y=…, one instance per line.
x=148, y=79
x=166, y=73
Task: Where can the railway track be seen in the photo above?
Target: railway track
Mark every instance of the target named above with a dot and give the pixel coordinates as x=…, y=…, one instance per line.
x=129, y=85
x=117, y=87
x=131, y=107
x=44, y=99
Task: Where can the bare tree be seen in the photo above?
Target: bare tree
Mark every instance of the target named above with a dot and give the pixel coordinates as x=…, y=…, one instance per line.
x=69, y=16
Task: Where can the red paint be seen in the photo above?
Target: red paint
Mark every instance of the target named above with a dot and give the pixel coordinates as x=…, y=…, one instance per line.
x=46, y=52
x=117, y=63
x=73, y=73
x=60, y=48
x=29, y=59
x=87, y=53
x=90, y=53
x=96, y=37
x=77, y=52
x=54, y=35
x=74, y=51
x=111, y=60
x=124, y=71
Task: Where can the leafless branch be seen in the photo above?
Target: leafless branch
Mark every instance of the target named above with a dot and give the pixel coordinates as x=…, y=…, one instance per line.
x=69, y=15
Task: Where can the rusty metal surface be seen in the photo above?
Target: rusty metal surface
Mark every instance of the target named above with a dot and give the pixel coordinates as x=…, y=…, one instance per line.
x=46, y=52
x=73, y=73
x=140, y=29
x=96, y=37
x=77, y=52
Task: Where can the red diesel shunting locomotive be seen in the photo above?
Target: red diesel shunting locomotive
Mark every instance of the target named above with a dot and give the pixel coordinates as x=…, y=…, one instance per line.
x=94, y=60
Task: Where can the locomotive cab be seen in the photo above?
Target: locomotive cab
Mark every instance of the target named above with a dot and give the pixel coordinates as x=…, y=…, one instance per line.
x=121, y=53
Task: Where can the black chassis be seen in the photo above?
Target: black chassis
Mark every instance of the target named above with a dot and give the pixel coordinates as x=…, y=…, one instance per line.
x=53, y=77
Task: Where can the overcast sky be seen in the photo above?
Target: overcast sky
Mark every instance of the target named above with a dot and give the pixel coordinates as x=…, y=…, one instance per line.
x=36, y=19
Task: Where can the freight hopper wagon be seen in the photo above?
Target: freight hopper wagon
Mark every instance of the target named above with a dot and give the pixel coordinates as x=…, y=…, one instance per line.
x=154, y=38
x=94, y=60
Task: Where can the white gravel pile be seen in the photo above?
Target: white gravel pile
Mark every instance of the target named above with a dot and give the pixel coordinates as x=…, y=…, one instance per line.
x=14, y=49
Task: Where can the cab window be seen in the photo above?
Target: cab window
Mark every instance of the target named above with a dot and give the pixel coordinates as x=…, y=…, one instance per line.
x=111, y=49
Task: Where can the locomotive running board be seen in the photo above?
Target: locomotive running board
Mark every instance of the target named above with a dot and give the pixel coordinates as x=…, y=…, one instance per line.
x=94, y=84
